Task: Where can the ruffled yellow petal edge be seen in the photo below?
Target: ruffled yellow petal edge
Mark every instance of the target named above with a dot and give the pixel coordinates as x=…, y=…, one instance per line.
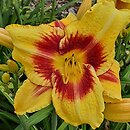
x=64, y=22
x=31, y=97
x=118, y=112
x=31, y=43
x=111, y=83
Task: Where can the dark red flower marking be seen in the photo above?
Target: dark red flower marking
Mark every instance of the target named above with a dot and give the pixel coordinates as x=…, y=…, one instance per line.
x=48, y=44
x=76, y=42
x=59, y=24
x=109, y=76
x=43, y=66
x=71, y=91
x=40, y=90
x=96, y=56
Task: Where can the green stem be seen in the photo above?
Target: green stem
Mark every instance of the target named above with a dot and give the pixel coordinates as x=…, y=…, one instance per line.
x=66, y=6
x=53, y=10
x=23, y=118
x=23, y=122
x=83, y=127
x=1, y=19
x=42, y=10
x=6, y=88
x=16, y=7
x=15, y=82
x=62, y=126
x=120, y=126
x=54, y=121
x=7, y=95
x=72, y=127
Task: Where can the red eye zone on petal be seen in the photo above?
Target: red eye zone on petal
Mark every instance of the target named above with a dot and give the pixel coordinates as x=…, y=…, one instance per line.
x=46, y=48
x=73, y=91
x=40, y=90
x=48, y=44
x=109, y=76
x=96, y=56
x=43, y=66
x=75, y=42
x=59, y=24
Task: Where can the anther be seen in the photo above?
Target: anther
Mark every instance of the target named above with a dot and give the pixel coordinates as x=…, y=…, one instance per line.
x=73, y=54
x=65, y=59
x=71, y=62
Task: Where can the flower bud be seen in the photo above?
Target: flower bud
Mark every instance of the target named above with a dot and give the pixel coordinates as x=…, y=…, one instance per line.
x=119, y=111
x=5, y=38
x=4, y=67
x=5, y=77
x=13, y=67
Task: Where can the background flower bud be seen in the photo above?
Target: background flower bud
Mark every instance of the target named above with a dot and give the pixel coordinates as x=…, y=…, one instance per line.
x=5, y=77
x=13, y=67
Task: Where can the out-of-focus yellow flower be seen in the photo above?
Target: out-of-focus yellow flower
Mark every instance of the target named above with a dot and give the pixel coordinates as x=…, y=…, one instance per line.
x=5, y=77
x=13, y=67
x=118, y=112
x=5, y=39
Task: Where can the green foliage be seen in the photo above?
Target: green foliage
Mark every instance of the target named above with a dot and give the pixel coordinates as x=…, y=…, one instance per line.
x=29, y=11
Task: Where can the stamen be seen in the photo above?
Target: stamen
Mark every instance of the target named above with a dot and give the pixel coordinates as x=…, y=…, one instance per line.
x=66, y=71
x=73, y=61
x=65, y=59
x=80, y=68
x=70, y=68
x=65, y=79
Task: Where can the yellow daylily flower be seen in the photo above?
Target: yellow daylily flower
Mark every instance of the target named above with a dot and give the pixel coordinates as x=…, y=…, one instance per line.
x=71, y=63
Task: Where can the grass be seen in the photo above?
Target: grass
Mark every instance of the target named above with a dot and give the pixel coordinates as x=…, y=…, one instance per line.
x=27, y=12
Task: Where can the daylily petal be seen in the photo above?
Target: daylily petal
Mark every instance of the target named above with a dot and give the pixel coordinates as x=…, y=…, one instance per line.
x=118, y=112
x=32, y=39
x=64, y=22
x=38, y=69
x=111, y=83
x=103, y=22
x=79, y=102
x=35, y=49
x=31, y=97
